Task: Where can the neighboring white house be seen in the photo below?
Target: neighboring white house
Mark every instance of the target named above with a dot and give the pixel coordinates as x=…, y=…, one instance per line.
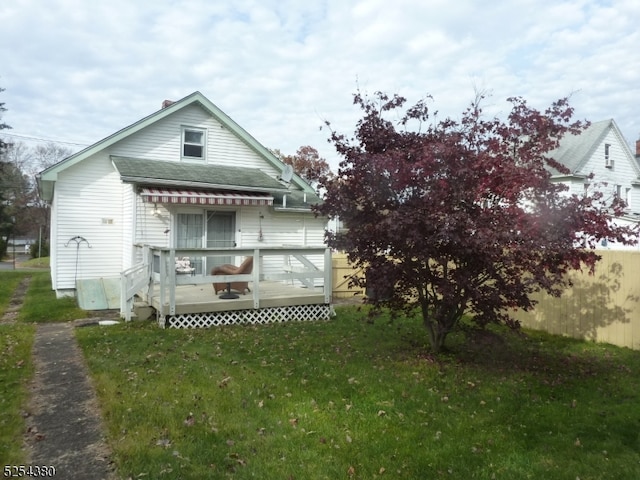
x=186, y=176
x=602, y=151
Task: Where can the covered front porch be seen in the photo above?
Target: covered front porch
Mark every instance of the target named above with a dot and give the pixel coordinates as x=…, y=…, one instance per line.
x=285, y=283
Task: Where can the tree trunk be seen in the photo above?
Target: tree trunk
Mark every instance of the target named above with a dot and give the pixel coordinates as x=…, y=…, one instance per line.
x=437, y=334
x=437, y=339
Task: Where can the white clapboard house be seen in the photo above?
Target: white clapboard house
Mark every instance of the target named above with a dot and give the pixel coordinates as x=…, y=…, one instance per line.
x=146, y=214
x=601, y=151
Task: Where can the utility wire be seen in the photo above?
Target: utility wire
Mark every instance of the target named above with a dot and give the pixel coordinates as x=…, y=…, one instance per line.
x=27, y=137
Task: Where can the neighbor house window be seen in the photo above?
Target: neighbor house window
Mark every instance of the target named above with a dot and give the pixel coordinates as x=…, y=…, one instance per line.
x=627, y=197
x=608, y=161
x=193, y=143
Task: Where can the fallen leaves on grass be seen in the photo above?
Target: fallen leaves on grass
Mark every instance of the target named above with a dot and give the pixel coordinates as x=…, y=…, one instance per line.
x=163, y=442
x=190, y=420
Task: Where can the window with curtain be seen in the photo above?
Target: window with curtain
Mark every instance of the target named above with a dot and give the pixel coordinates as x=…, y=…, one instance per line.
x=190, y=230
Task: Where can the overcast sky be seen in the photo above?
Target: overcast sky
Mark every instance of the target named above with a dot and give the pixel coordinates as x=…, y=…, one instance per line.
x=78, y=70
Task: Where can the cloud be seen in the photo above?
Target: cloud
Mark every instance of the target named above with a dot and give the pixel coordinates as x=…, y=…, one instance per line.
x=78, y=71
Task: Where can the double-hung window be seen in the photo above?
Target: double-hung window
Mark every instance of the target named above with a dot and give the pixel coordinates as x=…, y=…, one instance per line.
x=194, y=142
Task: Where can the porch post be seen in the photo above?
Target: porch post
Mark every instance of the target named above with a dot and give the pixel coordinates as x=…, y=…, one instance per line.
x=124, y=301
x=256, y=278
x=147, y=257
x=163, y=279
x=328, y=276
x=172, y=281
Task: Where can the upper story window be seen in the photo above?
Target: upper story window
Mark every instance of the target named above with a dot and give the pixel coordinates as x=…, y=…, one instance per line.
x=608, y=161
x=194, y=143
x=627, y=197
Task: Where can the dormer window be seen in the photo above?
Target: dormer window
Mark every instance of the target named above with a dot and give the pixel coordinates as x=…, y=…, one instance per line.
x=193, y=143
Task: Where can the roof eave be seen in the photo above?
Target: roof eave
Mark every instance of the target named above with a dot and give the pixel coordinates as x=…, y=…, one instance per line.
x=569, y=176
x=294, y=210
x=148, y=181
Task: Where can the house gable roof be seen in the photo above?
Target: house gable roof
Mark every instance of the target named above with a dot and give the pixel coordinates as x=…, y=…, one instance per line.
x=576, y=150
x=153, y=172
x=47, y=177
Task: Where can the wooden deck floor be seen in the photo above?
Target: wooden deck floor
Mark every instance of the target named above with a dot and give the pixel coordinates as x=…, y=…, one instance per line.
x=200, y=298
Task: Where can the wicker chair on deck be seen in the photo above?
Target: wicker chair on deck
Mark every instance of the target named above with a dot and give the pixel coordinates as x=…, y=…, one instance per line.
x=183, y=266
x=227, y=269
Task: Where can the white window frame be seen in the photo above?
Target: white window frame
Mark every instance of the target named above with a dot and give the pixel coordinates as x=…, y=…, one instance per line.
x=202, y=144
x=608, y=160
x=627, y=197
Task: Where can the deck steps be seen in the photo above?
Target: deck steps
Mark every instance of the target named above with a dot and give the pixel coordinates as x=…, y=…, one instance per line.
x=142, y=311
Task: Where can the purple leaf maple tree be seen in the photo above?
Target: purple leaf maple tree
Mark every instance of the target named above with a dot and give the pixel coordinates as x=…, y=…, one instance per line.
x=457, y=218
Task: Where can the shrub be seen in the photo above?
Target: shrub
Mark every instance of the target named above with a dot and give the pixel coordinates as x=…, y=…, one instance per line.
x=43, y=251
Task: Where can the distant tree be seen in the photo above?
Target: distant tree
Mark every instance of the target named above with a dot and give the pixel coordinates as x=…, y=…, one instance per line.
x=21, y=211
x=23, y=163
x=19, y=194
x=49, y=154
x=461, y=217
x=307, y=163
x=6, y=219
x=3, y=125
x=20, y=157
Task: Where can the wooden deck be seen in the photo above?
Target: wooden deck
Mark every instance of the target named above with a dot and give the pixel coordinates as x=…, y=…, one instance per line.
x=201, y=299
x=277, y=293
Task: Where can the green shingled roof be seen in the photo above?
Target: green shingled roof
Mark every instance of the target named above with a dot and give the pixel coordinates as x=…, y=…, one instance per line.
x=179, y=174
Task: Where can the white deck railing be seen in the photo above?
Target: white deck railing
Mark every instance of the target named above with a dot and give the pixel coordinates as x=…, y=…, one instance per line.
x=135, y=280
x=157, y=269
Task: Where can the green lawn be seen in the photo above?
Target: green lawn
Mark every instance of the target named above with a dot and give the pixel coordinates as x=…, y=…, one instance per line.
x=41, y=305
x=350, y=399
x=16, y=368
x=339, y=399
x=9, y=280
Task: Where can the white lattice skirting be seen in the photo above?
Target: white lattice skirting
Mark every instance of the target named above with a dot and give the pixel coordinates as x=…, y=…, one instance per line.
x=252, y=317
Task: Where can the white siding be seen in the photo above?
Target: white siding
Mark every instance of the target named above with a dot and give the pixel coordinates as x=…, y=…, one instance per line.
x=162, y=141
x=128, y=202
x=283, y=229
x=88, y=203
x=622, y=173
x=150, y=228
x=53, y=241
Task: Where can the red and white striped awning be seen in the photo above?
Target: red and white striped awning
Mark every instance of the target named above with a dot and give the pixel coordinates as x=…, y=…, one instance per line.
x=204, y=197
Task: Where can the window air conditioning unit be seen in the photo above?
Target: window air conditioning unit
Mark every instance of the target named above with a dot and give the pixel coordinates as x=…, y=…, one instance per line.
x=608, y=162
